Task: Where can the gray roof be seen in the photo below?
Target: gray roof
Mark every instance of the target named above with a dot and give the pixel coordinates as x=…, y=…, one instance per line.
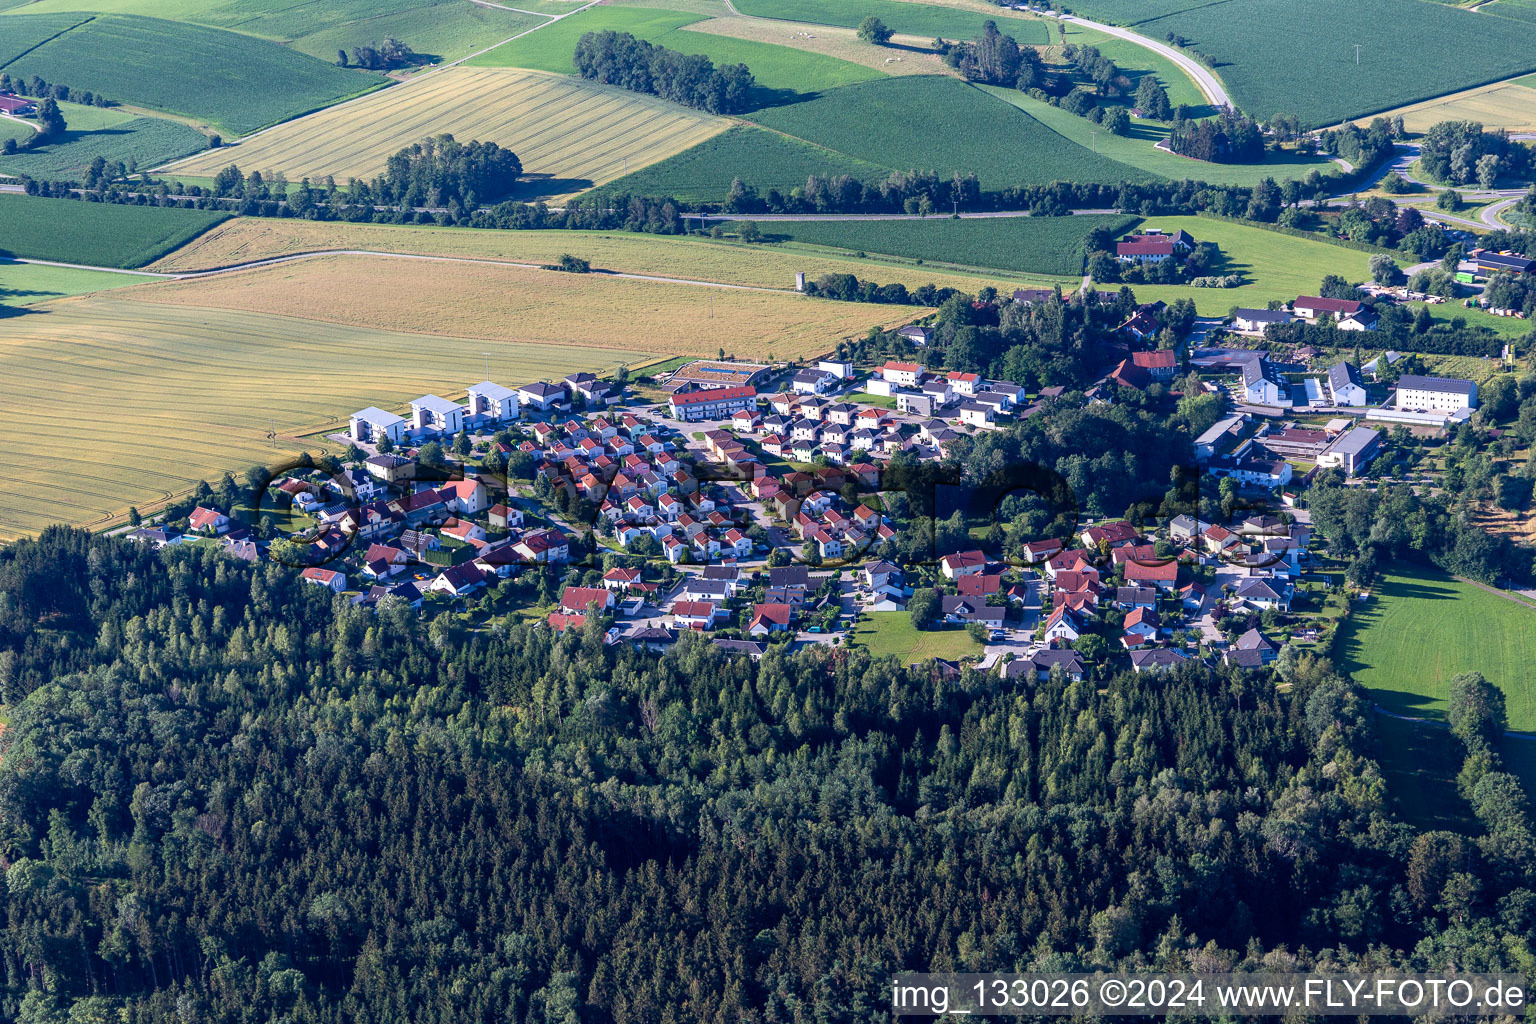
x=1258, y=368
x=1219, y=428
x=1264, y=316
x=1355, y=441
x=1445, y=385
x=1342, y=375
x=1253, y=640
x=495, y=392
x=378, y=417
x=543, y=389
x=1160, y=657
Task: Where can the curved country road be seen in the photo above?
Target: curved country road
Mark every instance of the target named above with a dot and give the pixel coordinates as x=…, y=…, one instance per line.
x=1208, y=83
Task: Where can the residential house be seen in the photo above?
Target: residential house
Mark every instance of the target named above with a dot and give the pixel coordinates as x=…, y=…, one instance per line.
x=1440, y=394
x=580, y=600
x=207, y=520
x=813, y=382
x=458, y=581
x=332, y=580
x=373, y=424
x=1263, y=593
x=541, y=395
x=437, y=415
x=492, y=402
x=1313, y=307
x=957, y=609
x=1063, y=626
x=1160, y=659
x=1254, y=321
x=769, y=617
x=964, y=563
x=1263, y=384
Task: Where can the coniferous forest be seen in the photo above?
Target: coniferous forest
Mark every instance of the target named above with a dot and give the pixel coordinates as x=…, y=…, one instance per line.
x=227, y=796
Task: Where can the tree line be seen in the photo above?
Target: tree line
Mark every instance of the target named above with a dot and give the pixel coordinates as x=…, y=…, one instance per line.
x=621, y=59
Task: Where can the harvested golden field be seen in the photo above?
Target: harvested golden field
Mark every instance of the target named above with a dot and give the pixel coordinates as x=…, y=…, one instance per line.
x=633, y=318
x=113, y=402
x=244, y=239
x=842, y=43
x=1500, y=105
x=570, y=134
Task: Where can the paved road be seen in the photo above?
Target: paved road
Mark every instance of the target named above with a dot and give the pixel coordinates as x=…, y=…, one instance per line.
x=1208, y=83
x=763, y=218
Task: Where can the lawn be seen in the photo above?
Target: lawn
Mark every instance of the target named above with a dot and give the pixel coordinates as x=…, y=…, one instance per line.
x=1307, y=65
x=1032, y=245
x=444, y=29
x=1136, y=60
x=100, y=234
x=944, y=125
x=26, y=284
x=692, y=258
x=892, y=633
x=763, y=159
x=178, y=394
x=1139, y=149
x=570, y=134
x=137, y=141
x=235, y=83
x=1275, y=266
x=782, y=72
x=917, y=19
x=1420, y=628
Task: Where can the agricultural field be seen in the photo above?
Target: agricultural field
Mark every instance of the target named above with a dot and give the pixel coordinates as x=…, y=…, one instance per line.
x=1136, y=60
x=99, y=234
x=19, y=35
x=232, y=82
x=918, y=19
x=1306, y=65
x=909, y=55
x=244, y=239
x=27, y=284
x=892, y=634
x=1420, y=628
x=180, y=394
x=765, y=160
x=1275, y=266
x=1032, y=245
x=444, y=29
x=945, y=125
x=137, y=141
x=782, y=73
x=570, y=134
x=1508, y=105
x=532, y=306
x=1139, y=149
x=1133, y=12
x=1514, y=10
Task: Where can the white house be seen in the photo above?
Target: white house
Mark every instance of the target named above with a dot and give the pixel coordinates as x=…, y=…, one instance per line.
x=976, y=414
x=492, y=401
x=813, y=382
x=334, y=581
x=1262, y=383
x=1345, y=386
x=372, y=423
x=838, y=368
x=1439, y=394
x=1063, y=627
x=429, y=412
x=904, y=375
x=541, y=395
x=1254, y=321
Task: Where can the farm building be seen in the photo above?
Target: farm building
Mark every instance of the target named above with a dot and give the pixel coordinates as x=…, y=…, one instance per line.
x=1153, y=247
x=17, y=106
x=492, y=401
x=429, y=412
x=372, y=423
x=1502, y=262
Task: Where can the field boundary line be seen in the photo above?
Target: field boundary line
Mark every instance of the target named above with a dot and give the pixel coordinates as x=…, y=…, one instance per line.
x=37, y=46
x=398, y=85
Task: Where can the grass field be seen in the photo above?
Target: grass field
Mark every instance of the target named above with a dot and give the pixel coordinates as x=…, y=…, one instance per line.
x=1509, y=105
x=145, y=141
x=1132, y=12
x=1135, y=59
x=27, y=284
x=100, y=234
x=764, y=159
x=945, y=125
x=234, y=82
x=764, y=266
x=1306, y=63
x=570, y=134
x=951, y=22
x=174, y=395
x=1275, y=266
x=908, y=54
x=19, y=35
x=782, y=72
x=892, y=633
x=530, y=306
x=441, y=28
x=1139, y=149
x=1036, y=245
x=1420, y=628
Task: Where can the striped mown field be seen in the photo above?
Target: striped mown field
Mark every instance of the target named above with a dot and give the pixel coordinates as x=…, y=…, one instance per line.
x=633, y=319
x=157, y=397
x=244, y=239
x=569, y=133
x=1508, y=105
